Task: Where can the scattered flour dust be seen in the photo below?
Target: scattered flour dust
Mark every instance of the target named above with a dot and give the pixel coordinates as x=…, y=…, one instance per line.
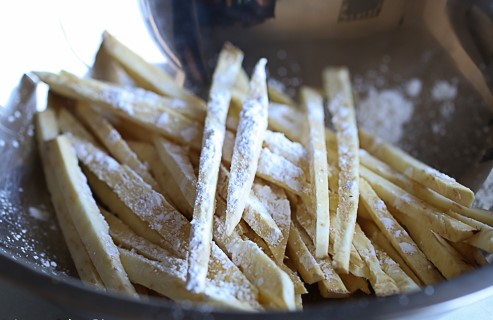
x=384, y=112
x=443, y=91
x=413, y=87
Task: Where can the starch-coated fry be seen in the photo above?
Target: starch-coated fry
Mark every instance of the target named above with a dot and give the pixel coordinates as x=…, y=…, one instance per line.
x=148, y=75
x=393, y=270
x=113, y=142
x=445, y=226
x=135, y=106
x=417, y=170
x=441, y=254
x=47, y=129
x=175, y=159
x=380, y=281
x=312, y=104
x=302, y=259
x=248, y=144
x=432, y=197
x=338, y=88
x=397, y=235
x=224, y=77
x=85, y=214
x=170, y=189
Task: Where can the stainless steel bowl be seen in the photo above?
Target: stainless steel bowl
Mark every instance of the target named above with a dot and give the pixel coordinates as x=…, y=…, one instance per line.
x=386, y=44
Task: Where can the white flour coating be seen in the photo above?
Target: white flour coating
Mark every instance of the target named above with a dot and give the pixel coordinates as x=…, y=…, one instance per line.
x=413, y=87
x=114, y=136
x=279, y=208
x=385, y=112
x=231, y=279
x=248, y=144
x=278, y=143
x=388, y=223
x=328, y=270
x=379, y=205
x=261, y=221
x=408, y=248
x=119, y=98
x=164, y=120
x=94, y=155
x=484, y=198
x=439, y=175
x=443, y=90
x=206, y=183
x=149, y=205
x=308, y=261
x=279, y=170
x=38, y=213
x=286, y=117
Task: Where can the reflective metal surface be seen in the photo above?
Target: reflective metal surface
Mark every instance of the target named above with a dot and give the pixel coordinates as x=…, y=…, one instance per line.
x=387, y=45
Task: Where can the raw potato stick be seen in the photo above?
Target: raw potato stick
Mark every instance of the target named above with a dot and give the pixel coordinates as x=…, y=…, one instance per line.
x=397, y=235
x=483, y=239
x=356, y=265
x=256, y=213
x=111, y=200
x=381, y=242
x=148, y=75
x=259, y=219
x=224, y=77
x=312, y=103
x=277, y=94
x=391, y=268
x=149, y=207
x=338, y=88
x=286, y=119
x=106, y=68
x=171, y=283
x=125, y=237
x=417, y=170
x=222, y=272
x=419, y=190
x=299, y=287
x=447, y=227
x=331, y=285
x=47, y=129
x=113, y=142
x=379, y=280
x=175, y=159
x=443, y=255
x=354, y=283
x=85, y=214
x=277, y=163
x=167, y=184
x=248, y=144
x=275, y=286
x=134, y=105
x=279, y=208
x=281, y=172
x=280, y=144
x=302, y=259
x=69, y=124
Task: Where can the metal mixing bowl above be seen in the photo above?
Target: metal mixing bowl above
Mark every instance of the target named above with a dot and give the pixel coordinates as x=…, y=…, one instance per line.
x=387, y=45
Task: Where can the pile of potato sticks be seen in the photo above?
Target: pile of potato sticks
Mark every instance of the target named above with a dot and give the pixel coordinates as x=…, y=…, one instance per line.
x=242, y=200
